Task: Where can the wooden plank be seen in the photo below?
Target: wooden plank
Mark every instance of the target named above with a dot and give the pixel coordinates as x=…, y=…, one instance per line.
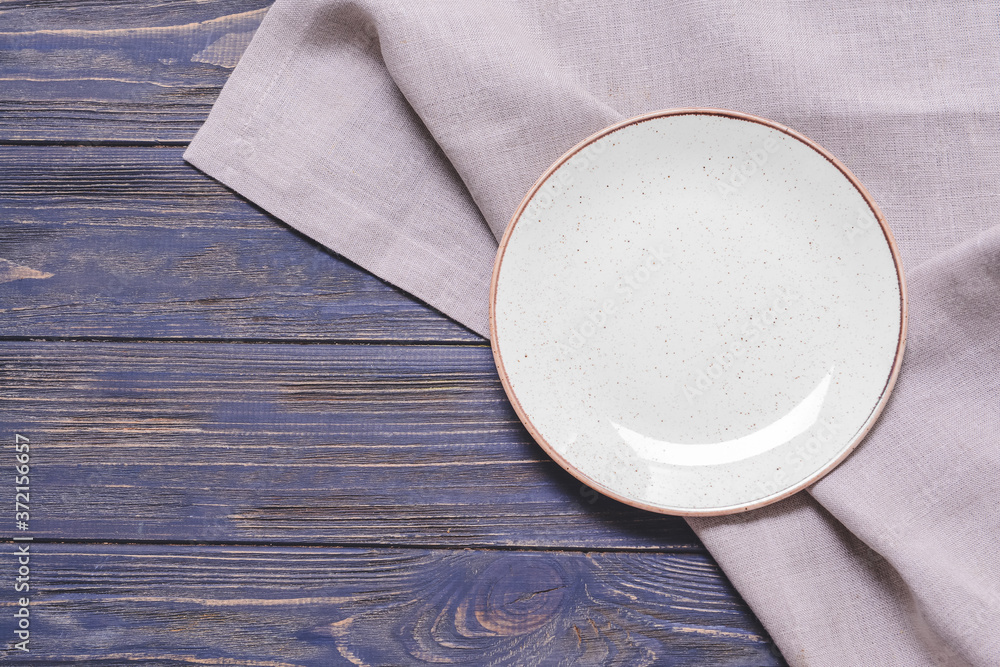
x=264, y=443
x=139, y=244
x=26, y=15
x=134, y=72
x=123, y=604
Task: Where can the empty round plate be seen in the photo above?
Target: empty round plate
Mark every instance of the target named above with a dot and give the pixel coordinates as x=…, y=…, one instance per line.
x=698, y=311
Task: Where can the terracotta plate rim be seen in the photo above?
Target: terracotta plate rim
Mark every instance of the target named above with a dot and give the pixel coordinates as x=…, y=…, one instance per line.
x=732, y=509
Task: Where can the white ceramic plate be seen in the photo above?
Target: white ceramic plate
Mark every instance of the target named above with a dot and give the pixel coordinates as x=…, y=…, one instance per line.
x=698, y=311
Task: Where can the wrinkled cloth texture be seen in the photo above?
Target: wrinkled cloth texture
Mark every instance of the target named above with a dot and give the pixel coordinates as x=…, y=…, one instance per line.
x=403, y=135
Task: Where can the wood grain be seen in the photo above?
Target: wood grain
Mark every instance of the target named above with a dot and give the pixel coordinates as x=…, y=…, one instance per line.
x=134, y=72
x=262, y=443
x=181, y=450
x=120, y=604
x=139, y=244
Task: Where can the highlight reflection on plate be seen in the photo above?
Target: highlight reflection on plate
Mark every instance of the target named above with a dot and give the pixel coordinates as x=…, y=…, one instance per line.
x=698, y=311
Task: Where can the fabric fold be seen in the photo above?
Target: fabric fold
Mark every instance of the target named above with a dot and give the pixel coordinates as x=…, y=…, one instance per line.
x=404, y=135
x=312, y=128
x=910, y=517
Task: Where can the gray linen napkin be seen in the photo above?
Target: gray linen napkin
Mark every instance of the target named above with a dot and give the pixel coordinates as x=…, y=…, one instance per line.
x=403, y=136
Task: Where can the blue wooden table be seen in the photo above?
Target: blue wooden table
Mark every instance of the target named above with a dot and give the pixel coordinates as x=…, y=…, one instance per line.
x=245, y=450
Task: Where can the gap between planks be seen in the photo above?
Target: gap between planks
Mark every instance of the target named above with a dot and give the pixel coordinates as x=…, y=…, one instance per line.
x=246, y=341
x=375, y=546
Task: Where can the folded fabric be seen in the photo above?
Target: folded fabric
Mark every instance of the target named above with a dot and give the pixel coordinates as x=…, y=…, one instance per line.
x=404, y=135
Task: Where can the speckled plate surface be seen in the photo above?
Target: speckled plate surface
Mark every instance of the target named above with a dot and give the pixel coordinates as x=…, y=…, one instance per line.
x=698, y=312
